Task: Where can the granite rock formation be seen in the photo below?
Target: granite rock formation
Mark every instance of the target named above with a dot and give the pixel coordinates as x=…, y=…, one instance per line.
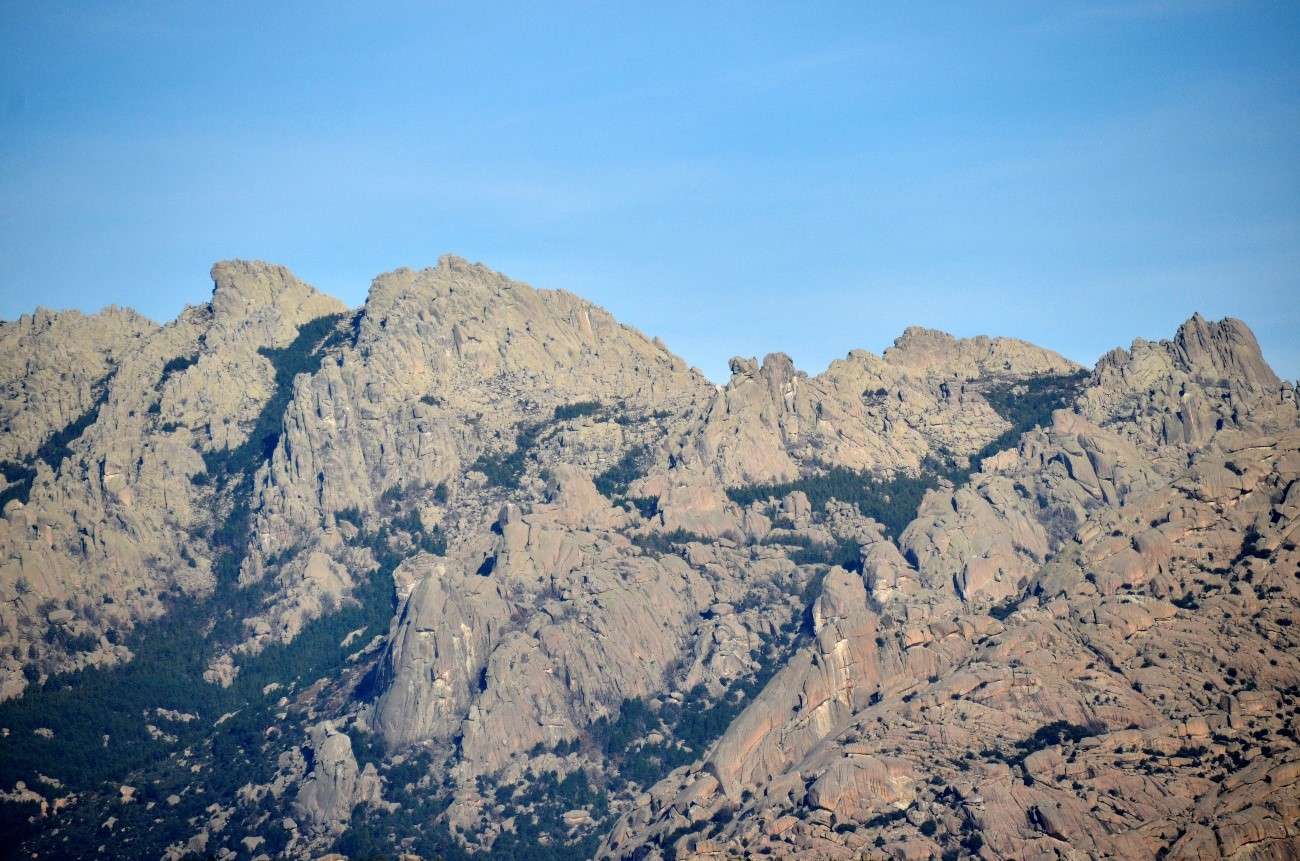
x=475, y=568
x=1087, y=651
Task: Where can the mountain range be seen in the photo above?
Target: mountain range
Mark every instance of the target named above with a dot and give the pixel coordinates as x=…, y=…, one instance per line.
x=475, y=570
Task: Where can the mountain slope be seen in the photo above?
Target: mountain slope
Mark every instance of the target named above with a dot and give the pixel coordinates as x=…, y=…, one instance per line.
x=1087, y=649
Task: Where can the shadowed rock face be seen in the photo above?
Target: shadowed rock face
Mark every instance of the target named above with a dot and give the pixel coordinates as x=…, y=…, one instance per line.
x=1085, y=648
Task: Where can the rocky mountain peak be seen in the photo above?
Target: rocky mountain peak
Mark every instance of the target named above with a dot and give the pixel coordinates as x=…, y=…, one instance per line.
x=742, y=366
x=49, y=321
x=777, y=368
x=1223, y=349
x=42, y=319
x=455, y=264
x=453, y=290
x=245, y=290
x=919, y=339
x=1210, y=377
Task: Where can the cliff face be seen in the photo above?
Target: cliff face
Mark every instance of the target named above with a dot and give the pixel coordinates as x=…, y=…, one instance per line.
x=476, y=567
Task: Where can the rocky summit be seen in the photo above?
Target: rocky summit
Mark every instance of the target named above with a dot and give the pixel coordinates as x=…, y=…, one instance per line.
x=475, y=570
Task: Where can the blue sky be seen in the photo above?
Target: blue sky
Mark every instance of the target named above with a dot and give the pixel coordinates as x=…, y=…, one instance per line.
x=735, y=178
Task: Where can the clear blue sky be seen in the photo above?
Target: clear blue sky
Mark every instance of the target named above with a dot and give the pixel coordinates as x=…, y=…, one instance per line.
x=737, y=178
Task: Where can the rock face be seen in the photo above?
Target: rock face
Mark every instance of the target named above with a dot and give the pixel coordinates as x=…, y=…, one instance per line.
x=111, y=526
x=335, y=785
x=436, y=655
x=476, y=566
x=1172, y=395
x=52, y=367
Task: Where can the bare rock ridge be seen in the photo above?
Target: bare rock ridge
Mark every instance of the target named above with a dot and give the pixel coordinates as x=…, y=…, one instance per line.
x=971, y=358
x=920, y=400
x=475, y=568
